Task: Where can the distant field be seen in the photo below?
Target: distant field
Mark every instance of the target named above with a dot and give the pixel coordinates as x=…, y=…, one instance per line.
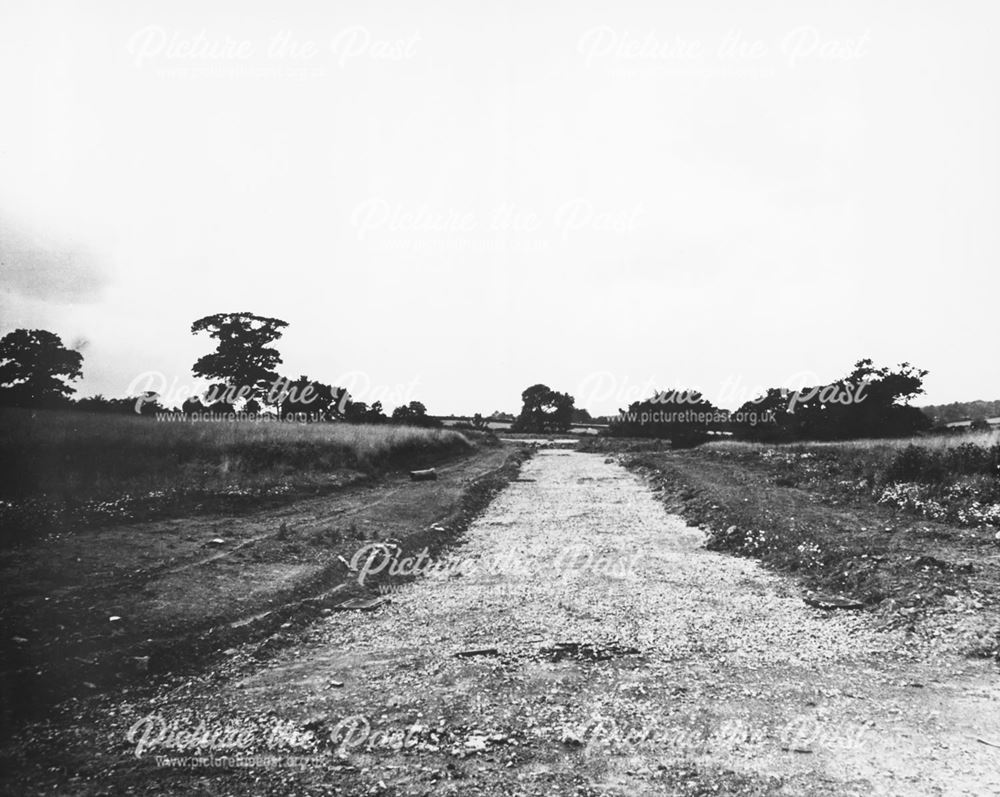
x=103, y=464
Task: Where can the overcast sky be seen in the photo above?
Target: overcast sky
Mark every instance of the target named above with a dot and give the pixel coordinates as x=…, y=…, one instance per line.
x=450, y=201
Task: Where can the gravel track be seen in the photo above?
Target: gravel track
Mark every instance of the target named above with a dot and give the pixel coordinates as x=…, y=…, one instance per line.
x=616, y=656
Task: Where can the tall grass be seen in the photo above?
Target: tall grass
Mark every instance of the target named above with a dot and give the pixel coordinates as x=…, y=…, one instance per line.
x=954, y=478
x=933, y=442
x=88, y=455
x=928, y=459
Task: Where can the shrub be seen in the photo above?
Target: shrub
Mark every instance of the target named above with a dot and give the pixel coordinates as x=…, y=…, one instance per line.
x=916, y=464
x=970, y=460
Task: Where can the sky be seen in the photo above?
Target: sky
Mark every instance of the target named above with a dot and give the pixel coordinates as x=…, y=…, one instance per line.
x=450, y=201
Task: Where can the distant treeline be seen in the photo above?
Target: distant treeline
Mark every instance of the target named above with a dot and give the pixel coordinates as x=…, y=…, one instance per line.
x=37, y=372
x=962, y=411
x=868, y=402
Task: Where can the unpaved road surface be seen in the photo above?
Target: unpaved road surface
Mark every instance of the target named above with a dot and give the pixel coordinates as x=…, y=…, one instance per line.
x=615, y=656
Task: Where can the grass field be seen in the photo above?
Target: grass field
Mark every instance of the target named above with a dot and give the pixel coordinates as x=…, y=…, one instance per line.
x=107, y=466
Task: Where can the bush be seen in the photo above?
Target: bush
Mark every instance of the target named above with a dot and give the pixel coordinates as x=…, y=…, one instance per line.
x=971, y=460
x=916, y=464
x=937, y=466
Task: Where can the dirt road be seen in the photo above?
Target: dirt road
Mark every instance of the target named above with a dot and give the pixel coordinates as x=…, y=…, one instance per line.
x=579, y=641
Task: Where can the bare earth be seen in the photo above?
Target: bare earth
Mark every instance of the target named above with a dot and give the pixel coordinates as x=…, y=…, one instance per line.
x=657, y=668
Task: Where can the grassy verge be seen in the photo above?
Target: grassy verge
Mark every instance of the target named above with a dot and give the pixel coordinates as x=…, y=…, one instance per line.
x=952, y=479
x=819, y=511
x=61, y=468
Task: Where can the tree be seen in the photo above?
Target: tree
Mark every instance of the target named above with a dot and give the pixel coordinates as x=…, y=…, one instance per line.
x=682, y=416
x=35, y=369
x=868, y=402
x=146, y=404
x=410, y=414
x=220, y=402
x=766, y=418
x=99, y=403
x=192, y=406
x=243, y=361
x=309, y=397
x=544, y=410
x=359, y=412
x=414, y=414
x=95, y=403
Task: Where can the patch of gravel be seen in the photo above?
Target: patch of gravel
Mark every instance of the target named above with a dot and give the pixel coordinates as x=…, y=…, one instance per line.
x=585, y=553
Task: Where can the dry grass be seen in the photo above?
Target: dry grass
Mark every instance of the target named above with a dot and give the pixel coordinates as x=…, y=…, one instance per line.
x=934, y=442
x=69, y=458
x=953, y=478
